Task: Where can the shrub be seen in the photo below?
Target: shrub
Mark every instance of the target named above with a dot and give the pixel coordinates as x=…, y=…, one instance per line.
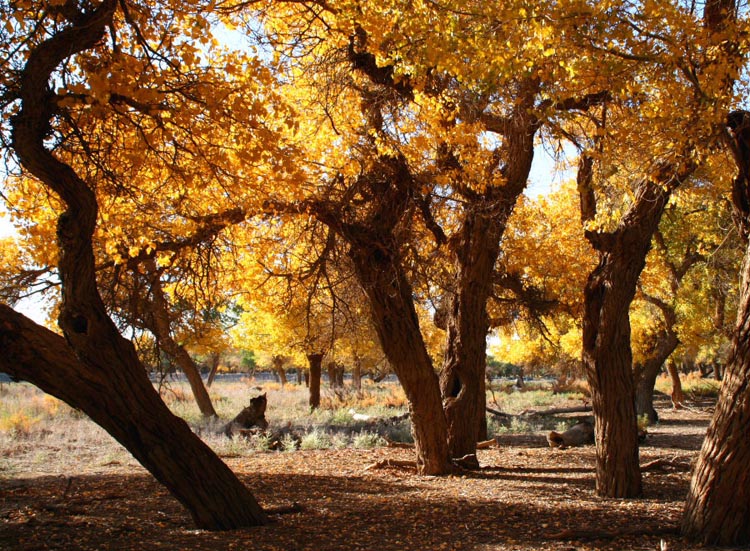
x=315, y=440
x=367, y=440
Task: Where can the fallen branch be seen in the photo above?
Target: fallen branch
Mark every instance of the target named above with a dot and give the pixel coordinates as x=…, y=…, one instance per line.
x=485, y=444
x=681, y=464
x=499, y=413
x=556, y=411
x=393, y=444
x=398, y=463
x=583, y=534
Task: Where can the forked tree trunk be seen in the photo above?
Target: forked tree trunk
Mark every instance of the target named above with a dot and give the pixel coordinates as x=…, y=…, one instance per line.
x=315, y=362
x=94, y=368
x=215, y=358
x=607, y=356
x=718, y=504
x=475, y=249
x=122, y=400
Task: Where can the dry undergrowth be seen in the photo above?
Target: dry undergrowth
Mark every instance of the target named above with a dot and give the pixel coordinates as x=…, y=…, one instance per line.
x=72, y=487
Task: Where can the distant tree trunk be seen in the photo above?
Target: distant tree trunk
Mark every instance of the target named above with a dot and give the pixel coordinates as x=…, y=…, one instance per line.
x=678, y=397
x=155, y=315
x=335, y=374
x=315, y=362
x=667, y=342
x=717, y=371
x=277, y=362
x=215, y=358
x=718, y=504
x=306, y=376
x=300, y=378
x=357, y=374
x=607, y=356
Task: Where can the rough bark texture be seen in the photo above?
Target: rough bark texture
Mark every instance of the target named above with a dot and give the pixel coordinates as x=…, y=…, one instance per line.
x=315, y=362
x=475, y=248
x=97, y=371
x=649, y=371
x=718, y=504
x=125, y=404
x=607, y=356
x=717, y=510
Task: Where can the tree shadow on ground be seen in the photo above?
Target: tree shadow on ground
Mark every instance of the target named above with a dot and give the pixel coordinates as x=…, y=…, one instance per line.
x=387, y=513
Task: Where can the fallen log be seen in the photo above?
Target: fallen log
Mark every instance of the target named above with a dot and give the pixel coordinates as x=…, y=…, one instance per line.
x=398, y=463
x=556, y=411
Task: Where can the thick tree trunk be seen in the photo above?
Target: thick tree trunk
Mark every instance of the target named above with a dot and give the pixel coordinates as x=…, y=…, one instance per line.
x=123, y=401
x=718, y=504
x=397, y=325
x=315, y=362
x=475, y=249
x=607, y=355
x=98, y=371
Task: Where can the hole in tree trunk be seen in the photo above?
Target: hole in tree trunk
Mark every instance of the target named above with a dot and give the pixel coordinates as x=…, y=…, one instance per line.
x=457, y=386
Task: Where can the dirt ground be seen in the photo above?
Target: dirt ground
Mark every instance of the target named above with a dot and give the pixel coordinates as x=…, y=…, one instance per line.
x=525, y=497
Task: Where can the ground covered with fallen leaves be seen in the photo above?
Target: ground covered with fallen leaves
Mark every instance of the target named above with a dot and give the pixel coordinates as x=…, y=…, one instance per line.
x=525, y=497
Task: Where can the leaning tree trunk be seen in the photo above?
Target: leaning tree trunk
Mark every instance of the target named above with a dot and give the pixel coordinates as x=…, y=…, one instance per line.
x=397, y=325
x=315, y=362
x=607, y=356
x=122, y=400
x=718, y=504
x=98, y=371
x=158, y=320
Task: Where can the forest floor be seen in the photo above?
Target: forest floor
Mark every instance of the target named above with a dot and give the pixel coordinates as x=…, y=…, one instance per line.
x=526, y=497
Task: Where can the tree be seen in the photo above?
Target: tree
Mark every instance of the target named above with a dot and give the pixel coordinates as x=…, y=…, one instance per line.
x=718, y=509
x=93, y=368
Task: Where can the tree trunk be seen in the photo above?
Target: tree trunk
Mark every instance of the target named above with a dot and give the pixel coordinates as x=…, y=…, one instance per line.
x=475, y=249
x=278, y=367
x=332, y=369
x=215, y=358
x=315, y=362
x=300, y=378
x=678, y=397
x=718, y=504
x=157, y=318
x=607, y=356
x=122, y=400
x=667, y=342
x=357, y=374
x=93, y=368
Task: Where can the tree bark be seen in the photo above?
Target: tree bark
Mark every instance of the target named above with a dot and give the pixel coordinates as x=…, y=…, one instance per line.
x=718, y=504
x=607, y=356
x=98, y=370
x=357, y=374
x=123, y=401
x=315, y=362
x=667, y=342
